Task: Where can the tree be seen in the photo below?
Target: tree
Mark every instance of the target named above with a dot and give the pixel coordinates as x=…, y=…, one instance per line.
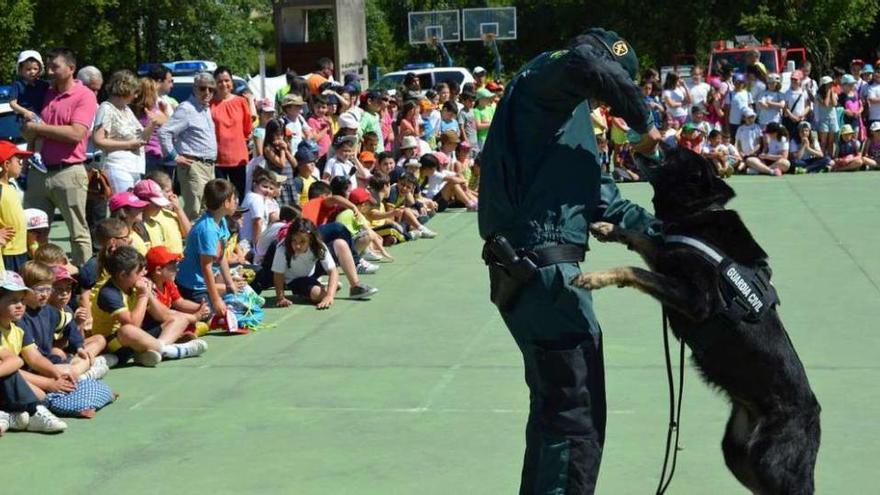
x=16, y=21
x=823, y=26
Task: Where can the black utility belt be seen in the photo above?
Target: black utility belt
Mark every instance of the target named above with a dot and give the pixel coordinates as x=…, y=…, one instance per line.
x=208, y=161
x=511, y=269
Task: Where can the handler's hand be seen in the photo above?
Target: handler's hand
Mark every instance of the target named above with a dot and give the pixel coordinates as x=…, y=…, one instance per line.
x=648, y=143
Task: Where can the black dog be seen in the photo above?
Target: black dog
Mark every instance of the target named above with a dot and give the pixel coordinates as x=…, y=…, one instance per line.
x=713, y=280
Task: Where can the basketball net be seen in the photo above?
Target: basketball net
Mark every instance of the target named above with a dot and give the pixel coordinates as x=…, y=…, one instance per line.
x=488, y=38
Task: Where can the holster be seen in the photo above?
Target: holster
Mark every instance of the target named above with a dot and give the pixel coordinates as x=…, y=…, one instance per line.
x=511, y=269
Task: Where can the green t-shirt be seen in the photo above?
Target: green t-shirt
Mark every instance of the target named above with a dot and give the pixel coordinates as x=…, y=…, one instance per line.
x=349, y=221
x=482, y=115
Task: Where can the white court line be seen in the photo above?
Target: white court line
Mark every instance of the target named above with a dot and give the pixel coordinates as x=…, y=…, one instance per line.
x=378, y=410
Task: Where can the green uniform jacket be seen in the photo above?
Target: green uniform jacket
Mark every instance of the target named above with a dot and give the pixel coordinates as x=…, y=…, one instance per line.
x=540, y=180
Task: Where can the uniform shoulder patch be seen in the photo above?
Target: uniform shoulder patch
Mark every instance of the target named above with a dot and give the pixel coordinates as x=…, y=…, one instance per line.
x=619, y=48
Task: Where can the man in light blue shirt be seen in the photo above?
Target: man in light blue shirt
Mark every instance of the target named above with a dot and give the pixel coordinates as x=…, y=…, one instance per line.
x=188, y=139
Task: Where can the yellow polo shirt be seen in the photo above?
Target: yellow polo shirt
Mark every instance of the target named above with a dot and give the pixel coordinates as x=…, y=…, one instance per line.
x=164, y=230
x=13, y=338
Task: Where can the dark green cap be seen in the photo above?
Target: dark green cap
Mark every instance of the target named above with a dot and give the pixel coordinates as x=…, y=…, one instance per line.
x=621, y=51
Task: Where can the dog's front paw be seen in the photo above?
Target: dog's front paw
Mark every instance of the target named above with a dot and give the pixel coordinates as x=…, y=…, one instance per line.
x=594, y=280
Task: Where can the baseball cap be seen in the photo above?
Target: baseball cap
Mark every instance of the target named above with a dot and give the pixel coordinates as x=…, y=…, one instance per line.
x=352, y=77
x=425, y=104
x=12, y=282
x=148, y=190
x=825, y=80
x=478, y=70
x=266, y=105
x=292, y=100
x=61, y=273
x=868, y=69
x=857, y=61
x=803, y=124
x=412, y=163
x=348, y=121
x=484, y=93
x=351, y=88
x=367, y=157
x=160, y=256
x=689, y=127
x=619, y=49
x=774, y=77
x=360, y=196
x=36, y=219
x=798, y=74
x=494, y=86
x=748, y=112
x=126, y=199
x=441, y=157
x=9, y=149
x=847, y=79
x=305, y=155
x=875, y=126
x=408, y=142
x=340, y=140
x=739, y=77
x=26, y=54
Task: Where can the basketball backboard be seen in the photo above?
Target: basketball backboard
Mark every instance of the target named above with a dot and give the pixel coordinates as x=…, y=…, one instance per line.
x=434, y=26
x=500, y=22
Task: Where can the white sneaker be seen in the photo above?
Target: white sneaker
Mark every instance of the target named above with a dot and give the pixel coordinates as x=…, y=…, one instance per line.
x=43, y=421
x=148, y=358
x=110, y=359
x=4, y=422
x=427, y=233
x=371, y=256
x=366, y=268
x=18, y=421
x=197, y=347
x=415, y=235
x=97, y=371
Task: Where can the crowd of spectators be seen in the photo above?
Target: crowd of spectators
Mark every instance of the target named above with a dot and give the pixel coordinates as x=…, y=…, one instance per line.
x=745, y=123
x=180, y=213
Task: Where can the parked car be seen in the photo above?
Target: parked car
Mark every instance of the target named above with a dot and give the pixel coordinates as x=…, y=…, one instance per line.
x=9, y=126
x=428, y=77
x=183, y=71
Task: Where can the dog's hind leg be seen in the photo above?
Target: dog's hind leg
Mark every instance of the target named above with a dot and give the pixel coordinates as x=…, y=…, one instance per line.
x=784, y=450
x=735, y=446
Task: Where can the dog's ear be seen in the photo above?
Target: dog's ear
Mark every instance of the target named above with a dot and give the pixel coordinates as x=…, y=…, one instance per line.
x=647, y=165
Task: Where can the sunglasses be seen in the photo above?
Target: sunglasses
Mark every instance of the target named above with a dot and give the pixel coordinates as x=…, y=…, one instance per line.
x=209, y=89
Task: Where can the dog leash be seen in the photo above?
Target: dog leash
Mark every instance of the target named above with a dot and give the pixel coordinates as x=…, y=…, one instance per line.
x=674, y=410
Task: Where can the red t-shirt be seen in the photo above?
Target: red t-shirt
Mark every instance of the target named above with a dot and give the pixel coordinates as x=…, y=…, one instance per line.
x=318, y=211
x=233, y=127
x=167, y=294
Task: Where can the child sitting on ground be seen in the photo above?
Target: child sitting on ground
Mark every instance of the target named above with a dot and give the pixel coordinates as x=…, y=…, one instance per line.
x=21, y=403
x=344, y=164
x=164, y=220
x=162, y=270
x=379, y=189
x=75, y=326
x=871, y=153
x=256, y=207
x=41, y=322
x=406, y=194
x=849, y=151
x=110, y=234
x=130, y=209
x=301, y=259
x=368, y=244
x=205, y=246
x=717, y=153
x=444, y=187
x=120, y=313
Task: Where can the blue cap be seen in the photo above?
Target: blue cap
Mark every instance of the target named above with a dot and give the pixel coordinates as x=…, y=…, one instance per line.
x=868, y=69
x=739, y=77
x=847, y=79
x=306, y=152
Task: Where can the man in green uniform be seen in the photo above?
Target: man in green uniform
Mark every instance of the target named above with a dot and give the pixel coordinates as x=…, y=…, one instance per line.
x=541, y=186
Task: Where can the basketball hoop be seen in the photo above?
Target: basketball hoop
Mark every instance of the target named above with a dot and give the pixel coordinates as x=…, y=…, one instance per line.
x=488, y=38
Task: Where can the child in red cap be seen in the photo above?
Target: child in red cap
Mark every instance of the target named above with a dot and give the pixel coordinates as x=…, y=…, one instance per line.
x=162, y=270
x=13, y=225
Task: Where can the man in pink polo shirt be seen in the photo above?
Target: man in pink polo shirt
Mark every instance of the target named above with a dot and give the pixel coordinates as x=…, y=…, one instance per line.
x=67, y=119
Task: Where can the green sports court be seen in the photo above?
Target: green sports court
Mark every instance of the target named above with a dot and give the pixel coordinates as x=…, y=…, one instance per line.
x=420, y=391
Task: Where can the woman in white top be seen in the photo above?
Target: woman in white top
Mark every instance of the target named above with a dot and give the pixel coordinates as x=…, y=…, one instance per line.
x=119, y=134
x=771, y=103
x=774, y=158
x=676, y=98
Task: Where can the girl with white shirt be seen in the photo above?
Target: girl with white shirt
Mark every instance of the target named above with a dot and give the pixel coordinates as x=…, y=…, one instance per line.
x=676, y=98
x=771, y=102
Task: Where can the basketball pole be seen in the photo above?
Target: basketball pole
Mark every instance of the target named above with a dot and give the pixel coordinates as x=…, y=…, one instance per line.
x=499, y=66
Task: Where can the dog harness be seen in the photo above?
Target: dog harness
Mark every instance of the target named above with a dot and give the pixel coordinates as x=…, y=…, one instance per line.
x=746, y=292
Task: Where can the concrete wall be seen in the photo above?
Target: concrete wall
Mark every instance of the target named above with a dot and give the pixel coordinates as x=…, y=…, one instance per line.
x=351, y=38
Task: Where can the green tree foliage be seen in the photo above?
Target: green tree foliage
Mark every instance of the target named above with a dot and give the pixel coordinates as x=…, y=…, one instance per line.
x=113, y=34
x=823, y=27
x=16, y=22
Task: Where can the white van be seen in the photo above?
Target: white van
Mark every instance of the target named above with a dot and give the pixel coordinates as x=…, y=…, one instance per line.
x=428, y=78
